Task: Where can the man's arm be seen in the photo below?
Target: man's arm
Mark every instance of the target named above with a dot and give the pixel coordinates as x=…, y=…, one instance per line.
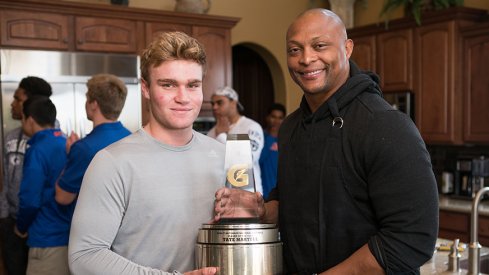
x=30, y=192
x=361, y=262
x=69, y=182
x=64, y=197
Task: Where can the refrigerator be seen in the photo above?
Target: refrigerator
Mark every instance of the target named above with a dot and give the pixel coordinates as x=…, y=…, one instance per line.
x=68, y=72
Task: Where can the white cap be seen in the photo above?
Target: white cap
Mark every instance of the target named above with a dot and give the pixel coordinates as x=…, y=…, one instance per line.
x=231, y=94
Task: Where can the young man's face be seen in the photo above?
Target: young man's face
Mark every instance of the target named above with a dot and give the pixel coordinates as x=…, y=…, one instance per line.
x=27, y=125
x=222, y=106
x=16, y=106
x=274, y=119
x=175, y=93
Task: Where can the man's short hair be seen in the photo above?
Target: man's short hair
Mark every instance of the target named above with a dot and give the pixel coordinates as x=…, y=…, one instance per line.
x=34, y=85
x=171, y=46
x=41, y=109
x=109, y=92
x=276, y=107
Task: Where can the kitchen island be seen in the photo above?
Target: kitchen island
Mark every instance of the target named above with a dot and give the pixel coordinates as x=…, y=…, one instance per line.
x=439, y=262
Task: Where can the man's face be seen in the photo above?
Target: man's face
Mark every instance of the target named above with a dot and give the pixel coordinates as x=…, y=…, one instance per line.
x=175, y=93
x=89, y=107
x=27, y=125
x=222, y=106
x=318, y=53
x=16, y=105
x=274, y=119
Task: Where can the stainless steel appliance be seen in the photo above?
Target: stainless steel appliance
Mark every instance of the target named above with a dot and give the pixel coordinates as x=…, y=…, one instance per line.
x=68, y=72
x=402, y=101
x=240, y=249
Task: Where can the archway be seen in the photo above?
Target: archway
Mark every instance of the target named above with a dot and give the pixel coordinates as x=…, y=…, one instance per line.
x=256, y=77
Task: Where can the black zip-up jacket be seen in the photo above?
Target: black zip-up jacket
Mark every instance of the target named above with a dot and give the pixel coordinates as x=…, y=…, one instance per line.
x=355, y=172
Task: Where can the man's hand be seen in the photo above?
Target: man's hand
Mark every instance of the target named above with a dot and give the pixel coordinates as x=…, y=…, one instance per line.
x=237, y=203
x=19, y=234
x=222, y=124
x=70, y=140
x=203, y=271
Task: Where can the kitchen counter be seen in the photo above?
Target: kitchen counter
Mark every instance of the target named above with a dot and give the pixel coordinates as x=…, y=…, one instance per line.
x=461, y=205
x=439, y=262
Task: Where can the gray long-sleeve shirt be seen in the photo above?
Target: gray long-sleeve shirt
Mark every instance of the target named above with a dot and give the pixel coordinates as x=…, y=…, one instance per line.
x=141, y=204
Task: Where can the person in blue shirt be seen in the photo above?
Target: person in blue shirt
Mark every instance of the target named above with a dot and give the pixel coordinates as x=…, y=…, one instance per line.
x=106, y=96
x=40, y=219
x=269, y=154
x=15, y=249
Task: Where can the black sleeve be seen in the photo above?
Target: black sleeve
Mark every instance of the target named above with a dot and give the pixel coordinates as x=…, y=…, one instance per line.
x=403, y=193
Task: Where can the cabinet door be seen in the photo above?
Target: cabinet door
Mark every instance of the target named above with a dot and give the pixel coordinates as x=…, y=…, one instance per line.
x=36, y=30
x=153, y=29
x=434, y=93
x=364, y=52
x=476, y=89
x=394, y=50
x=217, y=45
x=105, y=35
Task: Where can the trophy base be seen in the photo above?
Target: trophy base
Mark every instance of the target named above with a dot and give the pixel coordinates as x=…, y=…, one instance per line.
x=238, y=220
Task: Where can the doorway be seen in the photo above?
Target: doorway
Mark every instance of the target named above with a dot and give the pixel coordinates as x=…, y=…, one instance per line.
x=252, y=79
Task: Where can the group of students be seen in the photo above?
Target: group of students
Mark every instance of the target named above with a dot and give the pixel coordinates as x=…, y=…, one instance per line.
x=44, y=170
x=355, y=189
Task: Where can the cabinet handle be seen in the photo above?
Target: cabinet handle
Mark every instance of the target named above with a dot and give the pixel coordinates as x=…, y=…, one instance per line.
x=80, y=41
x=65, y=40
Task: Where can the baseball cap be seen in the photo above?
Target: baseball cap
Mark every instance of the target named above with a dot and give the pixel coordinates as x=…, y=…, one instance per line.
x=231, y=94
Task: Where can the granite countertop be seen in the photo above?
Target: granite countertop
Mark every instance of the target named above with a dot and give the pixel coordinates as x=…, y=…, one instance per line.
x=439, y=262
x=462, y=205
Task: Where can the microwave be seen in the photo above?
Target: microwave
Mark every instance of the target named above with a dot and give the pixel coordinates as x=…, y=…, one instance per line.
x=402, y=101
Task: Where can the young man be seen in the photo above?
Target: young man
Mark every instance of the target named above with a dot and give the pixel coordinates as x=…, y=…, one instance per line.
x=106, y=96
x=144, y=198
x=40, y=219
x=226, y=109
x=15, y=249
x=269, y=155
x=356, y=192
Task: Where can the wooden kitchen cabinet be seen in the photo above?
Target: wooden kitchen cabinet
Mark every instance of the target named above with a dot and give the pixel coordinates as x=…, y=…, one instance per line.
x=437, y=117
x=442, y=62
x=456, y=225
x=217, y=45
x=476, y=84
x=105, y=35
x=364, y=52
x=34, y=30
x=394, y=60
x=74, y=26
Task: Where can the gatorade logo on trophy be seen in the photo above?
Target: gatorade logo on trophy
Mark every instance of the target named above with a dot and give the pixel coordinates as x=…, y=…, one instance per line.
x=238, y=163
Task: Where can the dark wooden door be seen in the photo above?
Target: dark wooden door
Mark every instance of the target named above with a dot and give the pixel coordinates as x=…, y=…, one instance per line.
x=252, y=80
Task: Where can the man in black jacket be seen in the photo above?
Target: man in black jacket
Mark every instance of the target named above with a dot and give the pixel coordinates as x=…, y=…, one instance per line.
x=356, y=191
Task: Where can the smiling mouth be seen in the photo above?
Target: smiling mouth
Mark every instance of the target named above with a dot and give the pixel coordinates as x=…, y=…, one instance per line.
x=311, y=73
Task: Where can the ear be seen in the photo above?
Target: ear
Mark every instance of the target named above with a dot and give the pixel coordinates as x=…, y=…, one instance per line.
x=348, y=47
x=145, y=89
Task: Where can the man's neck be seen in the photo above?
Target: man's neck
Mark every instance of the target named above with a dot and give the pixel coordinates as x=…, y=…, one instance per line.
x=234, y=118
x=97, y=122
x=174, y=137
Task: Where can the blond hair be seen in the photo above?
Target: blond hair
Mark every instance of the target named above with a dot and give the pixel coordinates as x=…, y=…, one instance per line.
x=109, y=92
x=171, y=46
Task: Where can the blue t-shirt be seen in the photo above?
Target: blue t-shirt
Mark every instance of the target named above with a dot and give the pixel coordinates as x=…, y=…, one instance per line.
x=47, y=223
x=268, y=164
x=83, y=151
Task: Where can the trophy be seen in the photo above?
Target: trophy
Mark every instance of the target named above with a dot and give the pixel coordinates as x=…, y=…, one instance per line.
x=239, y=244
x=238, y=164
